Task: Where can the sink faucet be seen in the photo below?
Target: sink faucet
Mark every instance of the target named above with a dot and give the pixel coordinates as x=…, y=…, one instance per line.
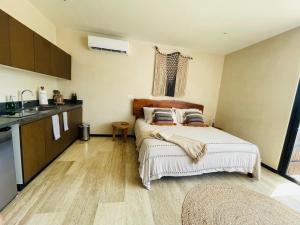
x=22, y=101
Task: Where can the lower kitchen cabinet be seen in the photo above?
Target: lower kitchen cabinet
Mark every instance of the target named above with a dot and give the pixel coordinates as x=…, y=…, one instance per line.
x=52, y=146
x=33, y=148
x=38, y=145
x=75, y=118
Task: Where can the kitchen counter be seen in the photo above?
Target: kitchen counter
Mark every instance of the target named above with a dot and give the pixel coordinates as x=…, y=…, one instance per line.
x=7, y=121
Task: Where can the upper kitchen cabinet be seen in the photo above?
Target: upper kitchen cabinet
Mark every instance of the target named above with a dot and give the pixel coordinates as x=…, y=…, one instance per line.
x=55, y=61
x=22, y=48
x=42, y=55
x=21, y=45
x=4, y=39
x=67, y=66
x=60, y=63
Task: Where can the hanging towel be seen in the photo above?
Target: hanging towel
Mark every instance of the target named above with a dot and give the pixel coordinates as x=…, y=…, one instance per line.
x=56, y=127
x=65, y=118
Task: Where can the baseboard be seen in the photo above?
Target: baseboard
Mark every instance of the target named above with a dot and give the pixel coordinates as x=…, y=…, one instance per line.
x=276, y=171
x=101, y=135
x=20, y=187
x=110, y=135
x=269, y=168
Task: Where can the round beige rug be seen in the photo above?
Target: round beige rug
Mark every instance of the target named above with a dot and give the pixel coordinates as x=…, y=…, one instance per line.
x=234, y=205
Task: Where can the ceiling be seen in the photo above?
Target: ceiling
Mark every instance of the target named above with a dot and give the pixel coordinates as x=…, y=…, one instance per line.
x=215, y=26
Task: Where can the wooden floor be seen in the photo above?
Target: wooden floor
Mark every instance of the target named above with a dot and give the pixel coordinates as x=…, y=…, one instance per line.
x=97, y=182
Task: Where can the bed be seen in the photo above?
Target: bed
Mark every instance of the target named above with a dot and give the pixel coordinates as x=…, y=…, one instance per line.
x=158, y=158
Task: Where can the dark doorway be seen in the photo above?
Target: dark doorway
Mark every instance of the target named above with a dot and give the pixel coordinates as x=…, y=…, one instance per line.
x=289, y=165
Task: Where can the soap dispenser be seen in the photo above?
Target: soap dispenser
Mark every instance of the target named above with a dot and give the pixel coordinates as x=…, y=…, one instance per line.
x=43, y=98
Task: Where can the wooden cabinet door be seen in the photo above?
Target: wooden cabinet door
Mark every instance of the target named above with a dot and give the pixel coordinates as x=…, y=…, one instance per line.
x=54, y=61
x=33, y=148
x=66, y=66
x=4, y=39
x=65, y=134
x=64, y=140
x=21, y=45
x=60, y=63
x=69, y=136
x=52, y=146
x=57, y=61
x=42, y=55
x=75, y=119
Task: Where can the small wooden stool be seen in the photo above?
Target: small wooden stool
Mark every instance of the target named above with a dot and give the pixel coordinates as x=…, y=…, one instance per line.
x=123, y=126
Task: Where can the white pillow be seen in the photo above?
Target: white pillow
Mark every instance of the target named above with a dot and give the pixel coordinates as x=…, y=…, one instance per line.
x=148, y=114
x=180, y=113
x=148, y=111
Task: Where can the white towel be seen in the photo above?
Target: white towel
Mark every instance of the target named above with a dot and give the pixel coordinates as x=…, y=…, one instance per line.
x=65, y=118
x=56, y=127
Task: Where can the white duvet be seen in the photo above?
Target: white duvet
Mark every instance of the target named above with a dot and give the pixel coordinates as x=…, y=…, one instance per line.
x=225, y=152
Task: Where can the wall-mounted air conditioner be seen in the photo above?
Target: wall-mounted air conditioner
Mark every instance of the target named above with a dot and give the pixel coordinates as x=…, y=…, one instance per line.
x=107, y=44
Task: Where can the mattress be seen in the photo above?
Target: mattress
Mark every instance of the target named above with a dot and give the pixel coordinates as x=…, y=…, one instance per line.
x=225, y=152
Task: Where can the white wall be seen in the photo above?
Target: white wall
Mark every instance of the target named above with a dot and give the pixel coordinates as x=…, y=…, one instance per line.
x=107, y=82
x=258, y=90
x=12, y=80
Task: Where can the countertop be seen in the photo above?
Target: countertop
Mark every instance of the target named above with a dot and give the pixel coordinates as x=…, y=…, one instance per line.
x=6, y=121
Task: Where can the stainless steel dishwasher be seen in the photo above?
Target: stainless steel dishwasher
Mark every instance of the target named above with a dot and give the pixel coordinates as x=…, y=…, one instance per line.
x=8, y=187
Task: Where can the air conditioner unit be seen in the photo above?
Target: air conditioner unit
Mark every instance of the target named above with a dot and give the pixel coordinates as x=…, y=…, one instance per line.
x=107, y=44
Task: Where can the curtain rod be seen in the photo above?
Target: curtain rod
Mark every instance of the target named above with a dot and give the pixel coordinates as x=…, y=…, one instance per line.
x=188, y=57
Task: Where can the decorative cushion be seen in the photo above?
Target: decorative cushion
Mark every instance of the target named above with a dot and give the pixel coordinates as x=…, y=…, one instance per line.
x=148, y=113
x=193, y=118
x=180, y=113
x=163, y=117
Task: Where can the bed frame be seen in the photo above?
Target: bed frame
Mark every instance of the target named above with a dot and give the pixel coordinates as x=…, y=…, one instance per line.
x=138, y=105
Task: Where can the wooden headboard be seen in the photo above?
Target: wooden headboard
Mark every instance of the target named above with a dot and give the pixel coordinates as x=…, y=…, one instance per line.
x=138, y=105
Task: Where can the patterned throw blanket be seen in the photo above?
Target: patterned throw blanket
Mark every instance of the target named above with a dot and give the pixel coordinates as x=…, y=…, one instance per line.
x=193, y=148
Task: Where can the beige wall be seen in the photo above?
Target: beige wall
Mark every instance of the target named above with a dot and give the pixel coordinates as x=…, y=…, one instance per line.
x=30, y=16
x=257, y=92
x=12, y=80
x=107, y=81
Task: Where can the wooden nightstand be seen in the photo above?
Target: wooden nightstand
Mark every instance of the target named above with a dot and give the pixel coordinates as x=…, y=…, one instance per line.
x=123, y=126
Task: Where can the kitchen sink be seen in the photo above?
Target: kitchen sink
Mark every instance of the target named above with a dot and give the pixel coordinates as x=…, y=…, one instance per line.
x=20, y=114
x=40, y=108
x=31, y=111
